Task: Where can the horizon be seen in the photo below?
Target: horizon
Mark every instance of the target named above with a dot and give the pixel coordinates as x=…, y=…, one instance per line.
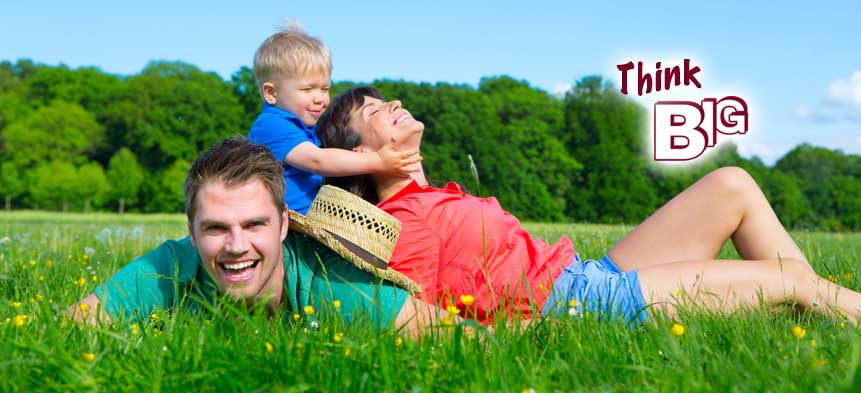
x=798, y=67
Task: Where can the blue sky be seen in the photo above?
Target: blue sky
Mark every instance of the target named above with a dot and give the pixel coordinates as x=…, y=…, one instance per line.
x=798, y=65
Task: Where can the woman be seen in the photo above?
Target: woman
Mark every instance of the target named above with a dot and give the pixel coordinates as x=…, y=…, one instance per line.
x=464, y=249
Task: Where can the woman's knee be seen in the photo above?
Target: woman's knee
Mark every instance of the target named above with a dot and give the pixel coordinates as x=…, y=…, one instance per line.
x=734, y=181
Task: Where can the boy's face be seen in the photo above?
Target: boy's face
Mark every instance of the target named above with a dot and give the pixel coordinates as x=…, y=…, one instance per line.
x=238, y=231
x=306, y=96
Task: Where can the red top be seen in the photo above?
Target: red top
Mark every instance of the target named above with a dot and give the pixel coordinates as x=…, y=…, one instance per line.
x=442, y=247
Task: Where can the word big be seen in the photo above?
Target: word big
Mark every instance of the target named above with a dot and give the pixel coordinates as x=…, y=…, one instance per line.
x=683, y=129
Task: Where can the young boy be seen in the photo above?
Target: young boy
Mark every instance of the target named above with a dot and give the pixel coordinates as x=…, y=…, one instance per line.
x=292, y=72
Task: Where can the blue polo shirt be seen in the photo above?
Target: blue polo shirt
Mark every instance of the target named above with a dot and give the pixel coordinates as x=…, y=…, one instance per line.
x=281, y=131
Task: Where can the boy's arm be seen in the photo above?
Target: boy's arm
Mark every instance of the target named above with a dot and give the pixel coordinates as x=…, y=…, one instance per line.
x=333, y=162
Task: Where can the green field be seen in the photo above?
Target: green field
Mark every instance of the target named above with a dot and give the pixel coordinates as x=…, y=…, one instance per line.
x=48, y=261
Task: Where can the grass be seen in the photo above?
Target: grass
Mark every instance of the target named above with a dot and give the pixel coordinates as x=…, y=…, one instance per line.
x=226, y=350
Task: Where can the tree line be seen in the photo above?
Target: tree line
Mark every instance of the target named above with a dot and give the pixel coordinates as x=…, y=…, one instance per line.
x=81, y=139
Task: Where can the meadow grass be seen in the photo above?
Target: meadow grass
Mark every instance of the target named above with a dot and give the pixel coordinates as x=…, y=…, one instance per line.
x=49, y=261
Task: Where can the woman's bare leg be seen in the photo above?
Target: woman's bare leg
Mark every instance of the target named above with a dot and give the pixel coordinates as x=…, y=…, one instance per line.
x=726, y=203
x=728, y=285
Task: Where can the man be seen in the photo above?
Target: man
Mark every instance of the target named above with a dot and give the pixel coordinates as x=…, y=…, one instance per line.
x=239, y=245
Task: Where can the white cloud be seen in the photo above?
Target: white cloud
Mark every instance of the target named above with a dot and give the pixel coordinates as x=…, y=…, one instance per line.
x=842, y=102
x=803, y=111
x=846, y=92
x=561, y=88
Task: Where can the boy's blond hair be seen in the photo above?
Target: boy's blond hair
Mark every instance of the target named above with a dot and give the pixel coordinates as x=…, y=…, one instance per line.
x=290, y=53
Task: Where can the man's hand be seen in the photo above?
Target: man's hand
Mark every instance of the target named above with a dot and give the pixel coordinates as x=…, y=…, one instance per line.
x=87, y=309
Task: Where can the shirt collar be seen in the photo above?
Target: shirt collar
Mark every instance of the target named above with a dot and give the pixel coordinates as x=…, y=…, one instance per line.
x=280, y=112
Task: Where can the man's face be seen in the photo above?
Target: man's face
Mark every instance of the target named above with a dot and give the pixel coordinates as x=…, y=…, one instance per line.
x=306, y=96
x=238, y=233
x=378, y=121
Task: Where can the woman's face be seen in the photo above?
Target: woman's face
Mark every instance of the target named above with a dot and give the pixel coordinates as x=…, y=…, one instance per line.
x=379, y=121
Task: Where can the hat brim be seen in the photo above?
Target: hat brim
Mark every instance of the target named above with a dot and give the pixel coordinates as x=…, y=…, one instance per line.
x=351, y=252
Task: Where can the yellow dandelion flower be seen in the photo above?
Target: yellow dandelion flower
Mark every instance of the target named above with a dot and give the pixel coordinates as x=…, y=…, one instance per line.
x=84, y=307
x=308, y=309
x=16, y=304
x=452, y=310
x=398, y=341
x=434, y=365
x=135, y=329
x=813, y=342
x=24, y=267
x=69, y=257
x=572, y=303
x=528, y=390
x=89, y=357
x=81, y=281
x=798, y=332
x=820, y=363
x=337, y=304
x=32, y=262
x=467, y=300
x=269, y=347
x=41, y=278
x=338, y=337
x=32, y=301
x=153, y=317
x=842, y=325
x=347, y=351
x=20, y=320
x=847, y=276
x=40, y=297
x=296, y=316
x=300, y=345
x=95, y=278
x=678, y=292
x=86, y=257
x=677, y=330
x=49, y=263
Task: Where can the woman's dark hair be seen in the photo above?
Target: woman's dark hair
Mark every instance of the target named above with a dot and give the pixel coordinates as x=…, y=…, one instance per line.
x=334, y=131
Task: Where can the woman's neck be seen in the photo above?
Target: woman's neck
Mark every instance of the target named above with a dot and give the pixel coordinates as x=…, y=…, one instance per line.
x=389, y=185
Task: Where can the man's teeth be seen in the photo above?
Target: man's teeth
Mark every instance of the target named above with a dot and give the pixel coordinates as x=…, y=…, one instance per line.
x=238, y=266
x=402, y=118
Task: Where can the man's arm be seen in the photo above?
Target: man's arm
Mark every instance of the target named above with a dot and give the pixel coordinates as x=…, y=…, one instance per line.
x=333, y=162
x=142, y=286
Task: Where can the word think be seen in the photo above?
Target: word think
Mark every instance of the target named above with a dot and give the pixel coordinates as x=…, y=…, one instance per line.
x=670, y=76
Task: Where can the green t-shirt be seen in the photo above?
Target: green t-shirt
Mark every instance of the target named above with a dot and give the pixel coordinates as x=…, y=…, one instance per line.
x=172, y=275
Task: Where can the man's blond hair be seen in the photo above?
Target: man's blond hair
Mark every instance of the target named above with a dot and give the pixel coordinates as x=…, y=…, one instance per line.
x=289, y=53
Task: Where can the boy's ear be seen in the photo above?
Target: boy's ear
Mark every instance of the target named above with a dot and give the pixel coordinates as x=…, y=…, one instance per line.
x=269, y=94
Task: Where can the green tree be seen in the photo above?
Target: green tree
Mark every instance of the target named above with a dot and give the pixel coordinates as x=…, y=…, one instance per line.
x=246, y=91
x=604, y=131
x=92, y=184
x=125, y=176
x=173, y=111
x=60, y=131
x=11, y=184
x=164, y=191
x=54, y=184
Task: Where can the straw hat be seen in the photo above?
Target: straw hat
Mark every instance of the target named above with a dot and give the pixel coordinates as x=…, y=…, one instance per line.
x=357, y=230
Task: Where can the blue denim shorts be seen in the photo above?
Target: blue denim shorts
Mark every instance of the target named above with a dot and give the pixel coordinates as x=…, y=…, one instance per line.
x=597, y=287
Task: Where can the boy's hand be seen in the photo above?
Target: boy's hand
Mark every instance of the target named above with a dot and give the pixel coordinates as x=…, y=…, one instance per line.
x=398, y=162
